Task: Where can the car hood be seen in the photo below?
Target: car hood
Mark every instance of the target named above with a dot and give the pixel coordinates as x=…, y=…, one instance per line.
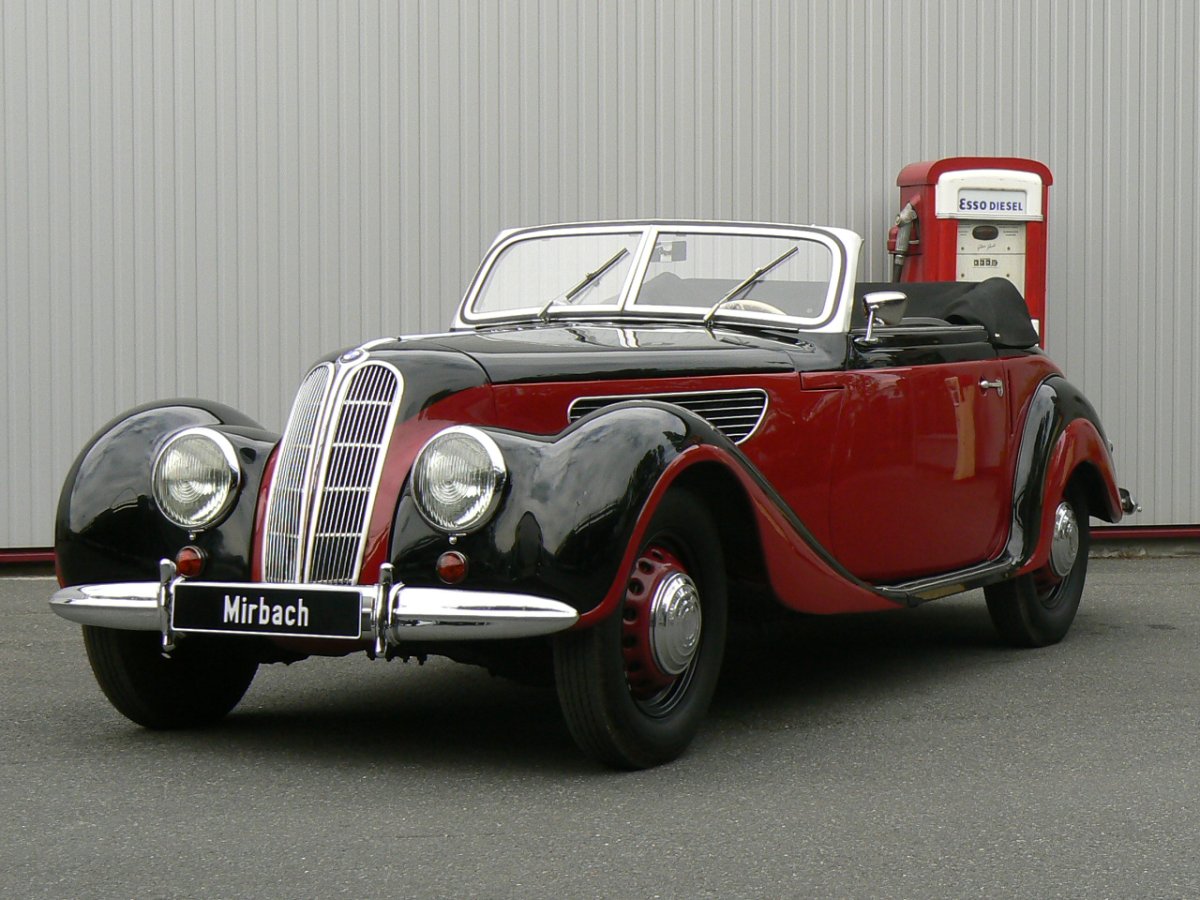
x=567, y=352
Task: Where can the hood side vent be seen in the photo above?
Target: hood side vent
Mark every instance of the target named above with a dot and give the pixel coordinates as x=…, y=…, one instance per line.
x=735, y=413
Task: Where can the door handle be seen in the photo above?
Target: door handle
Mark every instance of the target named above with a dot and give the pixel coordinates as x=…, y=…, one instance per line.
x=997, y=386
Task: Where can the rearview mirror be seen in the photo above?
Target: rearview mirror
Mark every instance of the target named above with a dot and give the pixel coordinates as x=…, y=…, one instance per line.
x=883, y=308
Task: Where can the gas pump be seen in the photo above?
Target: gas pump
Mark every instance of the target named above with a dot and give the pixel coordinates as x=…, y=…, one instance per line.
x=970, y=218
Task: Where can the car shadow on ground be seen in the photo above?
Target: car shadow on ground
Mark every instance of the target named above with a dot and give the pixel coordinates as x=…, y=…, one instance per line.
x=441, y=716
x=788, y=662
x=778, y=673
x=800, y=645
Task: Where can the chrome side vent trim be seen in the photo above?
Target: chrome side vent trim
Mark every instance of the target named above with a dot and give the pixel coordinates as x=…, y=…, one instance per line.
x=328, y=471
x=735, y=413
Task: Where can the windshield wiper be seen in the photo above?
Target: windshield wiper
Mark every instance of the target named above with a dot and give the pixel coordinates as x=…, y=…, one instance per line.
x=755, y=276
x=587, y=279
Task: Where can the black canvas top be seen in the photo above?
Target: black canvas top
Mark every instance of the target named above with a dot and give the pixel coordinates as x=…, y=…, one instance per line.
x=996, y=304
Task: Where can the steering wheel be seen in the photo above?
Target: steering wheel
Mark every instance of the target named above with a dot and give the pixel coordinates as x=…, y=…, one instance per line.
x=754, y=306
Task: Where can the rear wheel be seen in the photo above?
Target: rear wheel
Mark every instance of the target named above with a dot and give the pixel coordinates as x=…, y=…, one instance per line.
x=1037, y=609
x=198, y=684
x=635, y=688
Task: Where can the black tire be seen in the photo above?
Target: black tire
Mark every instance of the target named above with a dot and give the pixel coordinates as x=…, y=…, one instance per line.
x=1037, y=609
x=196, y=686
x=614, y=718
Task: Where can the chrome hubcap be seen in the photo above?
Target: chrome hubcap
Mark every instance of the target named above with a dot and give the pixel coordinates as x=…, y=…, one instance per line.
x=1064, y=545
x=675, y=621
x=660, y=629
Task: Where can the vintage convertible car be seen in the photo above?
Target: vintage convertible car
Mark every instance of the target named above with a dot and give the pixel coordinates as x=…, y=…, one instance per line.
x=631, y=429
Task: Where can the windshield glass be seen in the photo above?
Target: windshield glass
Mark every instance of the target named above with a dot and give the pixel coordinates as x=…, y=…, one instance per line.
x=559, y=270
x=701, y=270
x=675, y=271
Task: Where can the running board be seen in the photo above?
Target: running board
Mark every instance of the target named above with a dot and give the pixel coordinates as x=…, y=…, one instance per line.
x=914, y=593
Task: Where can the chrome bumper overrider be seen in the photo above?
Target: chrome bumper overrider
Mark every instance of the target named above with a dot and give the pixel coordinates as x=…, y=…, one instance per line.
x=391, y=614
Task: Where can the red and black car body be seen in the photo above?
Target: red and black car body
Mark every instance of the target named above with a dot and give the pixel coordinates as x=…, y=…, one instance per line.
x=629, y=427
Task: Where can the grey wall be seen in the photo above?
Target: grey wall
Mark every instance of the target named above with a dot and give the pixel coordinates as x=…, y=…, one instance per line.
x=198, y=198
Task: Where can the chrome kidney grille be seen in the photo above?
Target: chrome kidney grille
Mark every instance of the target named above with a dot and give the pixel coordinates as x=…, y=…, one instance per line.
x=734, y=413
x=287, y=502
x=328, y=470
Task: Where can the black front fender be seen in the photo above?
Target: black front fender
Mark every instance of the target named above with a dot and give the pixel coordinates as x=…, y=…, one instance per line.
x=570, y=506
x=108, y=526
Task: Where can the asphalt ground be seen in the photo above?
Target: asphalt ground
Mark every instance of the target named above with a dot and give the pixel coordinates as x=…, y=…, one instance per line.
x=894, y=755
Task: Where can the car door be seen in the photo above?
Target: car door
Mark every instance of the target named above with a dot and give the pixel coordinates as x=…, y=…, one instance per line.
x=921, y=483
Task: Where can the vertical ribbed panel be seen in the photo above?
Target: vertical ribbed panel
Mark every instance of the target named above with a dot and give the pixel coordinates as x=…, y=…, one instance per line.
x=197, y=199
x=291, y=485
x=328, y=468
x=359, y=428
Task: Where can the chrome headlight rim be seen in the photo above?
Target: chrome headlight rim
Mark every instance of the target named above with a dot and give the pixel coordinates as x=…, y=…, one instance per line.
x=233, y=471
x=498, y=471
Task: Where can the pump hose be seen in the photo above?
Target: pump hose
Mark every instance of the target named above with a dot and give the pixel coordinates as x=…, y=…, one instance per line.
x=904, y=227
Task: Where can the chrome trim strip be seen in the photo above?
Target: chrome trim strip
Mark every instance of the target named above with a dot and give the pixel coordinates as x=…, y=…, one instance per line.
x=844, y=245
x=442, y=614
x=345, y=380
x=681, y=398
x=376, y=342
x=951, y=583
x=411, y=614
x=381, y=610
x=300, y=493
x=466, y=317
x=166, y=603
x=331, y=405
x=282, y=563
x=129, y=606
x=824, y=236
x=637, y=271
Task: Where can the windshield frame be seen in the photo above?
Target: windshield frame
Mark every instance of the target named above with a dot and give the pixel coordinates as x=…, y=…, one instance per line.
x=843, y=246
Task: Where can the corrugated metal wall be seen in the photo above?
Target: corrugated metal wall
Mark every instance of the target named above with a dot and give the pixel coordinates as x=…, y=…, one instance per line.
x=200, y=197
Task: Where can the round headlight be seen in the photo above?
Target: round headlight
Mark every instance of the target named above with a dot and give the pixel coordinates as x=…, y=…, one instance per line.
x=457, y=479
x=196, y=476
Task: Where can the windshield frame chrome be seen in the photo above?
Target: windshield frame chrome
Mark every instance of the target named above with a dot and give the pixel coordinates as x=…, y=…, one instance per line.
x=844, y=247
x=468, y=317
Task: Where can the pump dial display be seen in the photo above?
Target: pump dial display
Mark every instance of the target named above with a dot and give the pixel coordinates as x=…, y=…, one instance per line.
x=987, y=250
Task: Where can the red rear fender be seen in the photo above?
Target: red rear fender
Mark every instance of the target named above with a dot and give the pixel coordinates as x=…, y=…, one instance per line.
x=1082, y=455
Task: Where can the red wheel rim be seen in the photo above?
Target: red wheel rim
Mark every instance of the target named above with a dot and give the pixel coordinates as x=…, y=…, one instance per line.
x=660, y=629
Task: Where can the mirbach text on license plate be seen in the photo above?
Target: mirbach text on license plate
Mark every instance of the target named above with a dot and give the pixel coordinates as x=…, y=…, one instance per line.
x=306, y=610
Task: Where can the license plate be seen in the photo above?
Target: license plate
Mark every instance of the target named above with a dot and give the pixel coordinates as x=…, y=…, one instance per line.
x=303, y=610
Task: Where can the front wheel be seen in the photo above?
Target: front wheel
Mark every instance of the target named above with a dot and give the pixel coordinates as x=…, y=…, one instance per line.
x=635, y=688
x=1037, y=609
x=197, y=685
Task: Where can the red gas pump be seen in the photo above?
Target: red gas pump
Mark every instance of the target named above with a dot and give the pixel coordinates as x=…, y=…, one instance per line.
x=970, y=218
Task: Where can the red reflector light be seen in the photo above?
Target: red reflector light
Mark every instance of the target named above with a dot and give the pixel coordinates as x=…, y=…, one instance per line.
x=189, y=561
x=452, y=567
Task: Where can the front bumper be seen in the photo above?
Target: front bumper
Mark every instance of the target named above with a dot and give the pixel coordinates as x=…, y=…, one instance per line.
x=391, y=614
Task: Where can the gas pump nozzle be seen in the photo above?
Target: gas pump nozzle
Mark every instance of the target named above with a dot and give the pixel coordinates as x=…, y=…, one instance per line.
x=900, y=238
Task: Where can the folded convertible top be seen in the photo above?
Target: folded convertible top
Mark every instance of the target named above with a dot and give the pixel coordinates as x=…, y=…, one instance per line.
x=995, y=304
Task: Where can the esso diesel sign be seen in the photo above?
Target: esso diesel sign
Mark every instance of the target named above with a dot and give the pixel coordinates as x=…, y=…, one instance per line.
x=992, y=202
